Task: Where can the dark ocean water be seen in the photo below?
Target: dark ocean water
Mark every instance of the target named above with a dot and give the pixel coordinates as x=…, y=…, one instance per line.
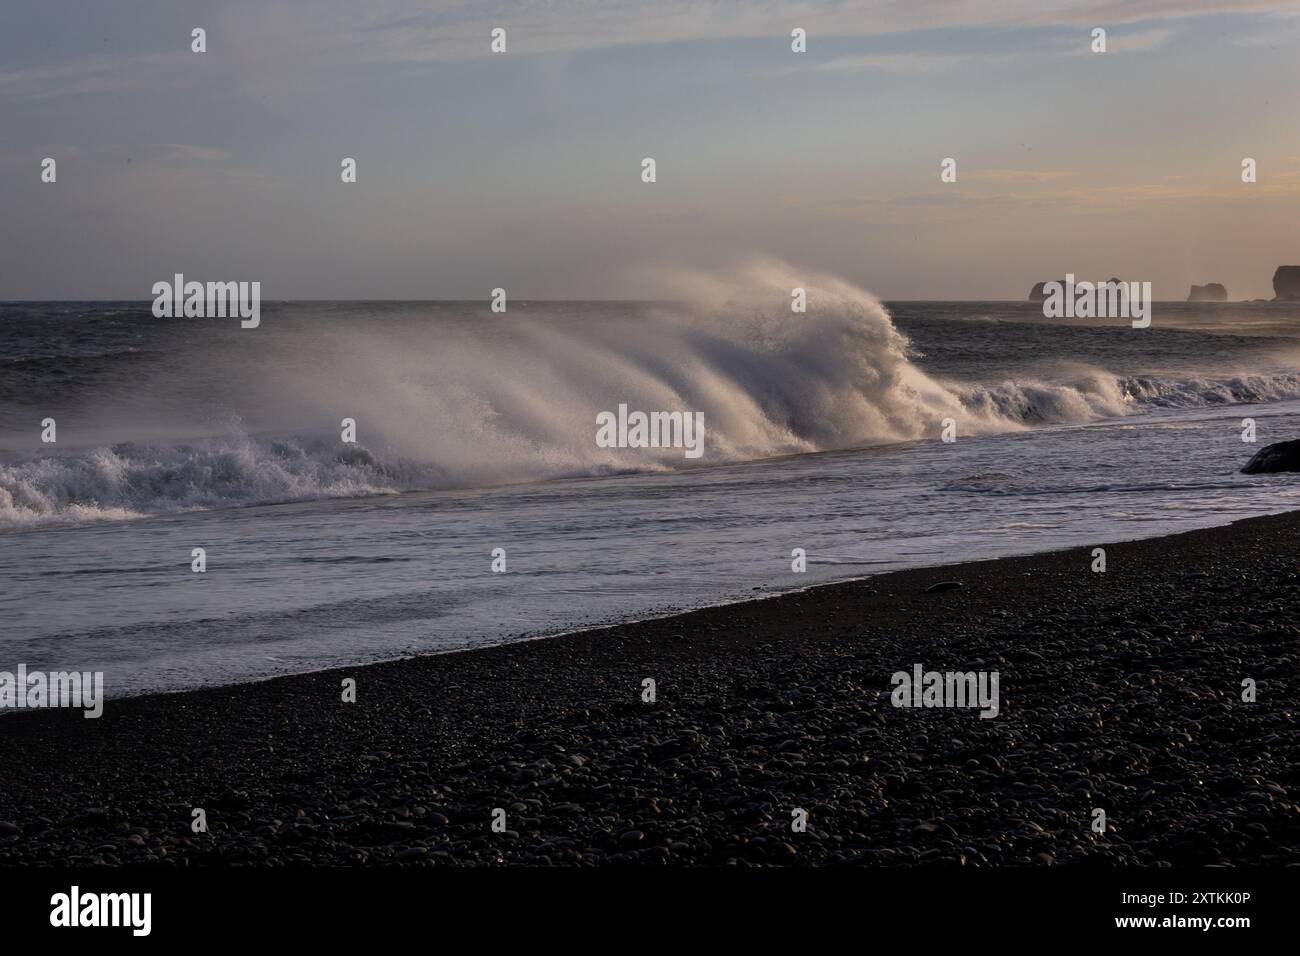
x=475, y=432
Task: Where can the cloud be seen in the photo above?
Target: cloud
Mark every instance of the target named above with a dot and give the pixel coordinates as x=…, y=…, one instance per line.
x=959, y=203
x=138, y=168
x=1016, y=175
x=403, y=30
x=95, y=75
x=1118, y=41
x=273, y=41
x=1141, y=41
x=892, y=62
x=414, y=31
x=1281, y=30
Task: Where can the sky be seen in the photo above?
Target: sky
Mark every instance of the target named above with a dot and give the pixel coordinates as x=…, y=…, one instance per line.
x=522, y=170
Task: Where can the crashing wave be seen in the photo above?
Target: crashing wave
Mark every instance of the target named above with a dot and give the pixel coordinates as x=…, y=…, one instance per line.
x=482, y=405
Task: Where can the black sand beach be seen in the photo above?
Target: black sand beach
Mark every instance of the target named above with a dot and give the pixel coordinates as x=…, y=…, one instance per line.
x=1120, y=691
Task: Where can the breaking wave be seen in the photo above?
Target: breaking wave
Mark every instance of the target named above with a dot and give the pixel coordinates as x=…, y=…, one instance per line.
x=1103, y=395
x=448, y=405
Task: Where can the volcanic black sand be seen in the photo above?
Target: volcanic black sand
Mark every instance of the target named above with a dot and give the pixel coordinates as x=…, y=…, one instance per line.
x=1119, y=690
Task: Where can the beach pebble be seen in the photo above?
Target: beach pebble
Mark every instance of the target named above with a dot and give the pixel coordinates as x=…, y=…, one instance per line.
x=943, y=586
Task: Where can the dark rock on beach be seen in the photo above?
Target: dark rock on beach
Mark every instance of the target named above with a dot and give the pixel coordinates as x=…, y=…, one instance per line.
x=1281, y=456
x=1162, y=691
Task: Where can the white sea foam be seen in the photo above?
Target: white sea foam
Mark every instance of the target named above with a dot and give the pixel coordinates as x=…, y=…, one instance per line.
x=478, y=404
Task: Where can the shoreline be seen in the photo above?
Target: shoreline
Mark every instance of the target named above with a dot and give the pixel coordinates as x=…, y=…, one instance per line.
x=1119, y=691
x=752, y=598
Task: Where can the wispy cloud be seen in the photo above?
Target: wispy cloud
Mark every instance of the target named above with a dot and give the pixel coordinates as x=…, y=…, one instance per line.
x=275, y=39
x=1016, y=175
x=953, y=204
x=1122, y=41
x=890, y=62
x=158, y=165
x=97, y=75
x=386, y=30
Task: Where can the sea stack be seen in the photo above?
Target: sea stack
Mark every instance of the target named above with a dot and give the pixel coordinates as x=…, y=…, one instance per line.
x=1286, y=284
x=1039, y=294
x=1210, y=292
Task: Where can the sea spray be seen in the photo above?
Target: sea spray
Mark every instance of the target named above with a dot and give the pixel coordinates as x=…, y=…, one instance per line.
x=638, y=429
x=451, y=397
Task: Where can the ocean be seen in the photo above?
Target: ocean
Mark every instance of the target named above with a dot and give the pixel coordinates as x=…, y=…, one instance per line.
x=475, y=431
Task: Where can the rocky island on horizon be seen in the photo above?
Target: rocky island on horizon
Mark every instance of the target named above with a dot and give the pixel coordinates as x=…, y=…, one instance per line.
x=1286, y=288
x=1210, y=292
x=1286, y=284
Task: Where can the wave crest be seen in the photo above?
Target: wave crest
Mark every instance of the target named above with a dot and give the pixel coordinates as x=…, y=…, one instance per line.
x=474, y=404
